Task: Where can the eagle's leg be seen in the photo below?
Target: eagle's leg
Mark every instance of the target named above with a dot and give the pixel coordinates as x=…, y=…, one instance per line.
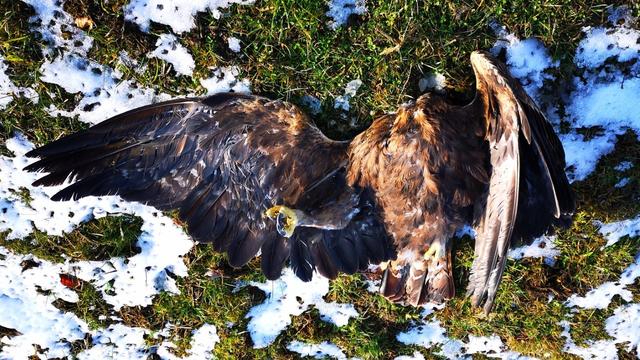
x=438, y=280
x=422, y=279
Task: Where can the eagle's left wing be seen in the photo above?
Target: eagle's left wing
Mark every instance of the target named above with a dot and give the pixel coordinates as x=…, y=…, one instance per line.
x=528, y=189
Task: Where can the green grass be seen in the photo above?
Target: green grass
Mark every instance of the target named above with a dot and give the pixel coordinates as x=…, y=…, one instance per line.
x=288, y=52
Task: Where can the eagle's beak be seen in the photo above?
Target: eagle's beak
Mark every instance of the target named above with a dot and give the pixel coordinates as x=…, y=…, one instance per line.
x=286, y=219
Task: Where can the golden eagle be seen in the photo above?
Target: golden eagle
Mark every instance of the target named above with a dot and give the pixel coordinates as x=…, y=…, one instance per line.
x=251, y=175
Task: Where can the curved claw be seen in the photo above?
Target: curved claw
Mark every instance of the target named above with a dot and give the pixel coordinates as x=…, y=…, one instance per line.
x=286, y=219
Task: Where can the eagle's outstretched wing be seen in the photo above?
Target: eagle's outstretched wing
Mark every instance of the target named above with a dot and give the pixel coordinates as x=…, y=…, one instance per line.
x=528, y=189
x=222, y=161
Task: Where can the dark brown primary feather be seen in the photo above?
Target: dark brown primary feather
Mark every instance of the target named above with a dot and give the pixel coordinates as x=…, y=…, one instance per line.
x=222, y=161
x=528, y=188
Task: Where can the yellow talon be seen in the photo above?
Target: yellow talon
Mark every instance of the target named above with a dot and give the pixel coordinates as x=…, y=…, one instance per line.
x=433, y=252
x=286, y=219
x=273, y=212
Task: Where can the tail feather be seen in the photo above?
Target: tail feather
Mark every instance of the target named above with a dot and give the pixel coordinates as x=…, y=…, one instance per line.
x=393, y=283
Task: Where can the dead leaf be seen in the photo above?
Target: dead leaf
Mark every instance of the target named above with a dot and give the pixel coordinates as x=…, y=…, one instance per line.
x=85, y=23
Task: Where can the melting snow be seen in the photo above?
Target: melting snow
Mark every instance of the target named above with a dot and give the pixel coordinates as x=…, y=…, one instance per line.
x=118, y=342
x=225, y=79
x=234, y=44
x=603, y=95
x=622, y=327
x=340, y=11
x=317, y=351
x=203, y=340
x=601, y=349
x=415, y=356
x=29, y=286
x=57, y=28
x=528, y=60
x=617, y=230
x=132, y=281
x=291, y=296
x=622, y=183
x=179, y=15
x=430, y=333
x=432, y=82
x=542, y=247
x=24, y=280
x=170, y=50
x=104, y=95
x=624, y=166
x=342, y=101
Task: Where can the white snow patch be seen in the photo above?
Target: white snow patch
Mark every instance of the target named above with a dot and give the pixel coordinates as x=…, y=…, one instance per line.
x=169, y=49
x=622, y=183
x=133, y=281
x=118, y=342
x=373, y=285
x=601, y=349
x=104, y=94
x=28, y=288
x=179, y=15
x=623, y=327
x=234, y=44
x=291, y=296
x=528, y=60
x=75, y=73
x=602, y=44
x=624, y=166
x=430, y=333
x=342, y=101
x=601, y=296
x=317, y=351
x=340, y=11
x=617, y=230
x=432, y=82
x=426, y=334
x=621, y=15
x=542, y=247
x=203, y=340
x=57, y=28
x=225, y=79
x=603, y=95
x=27, y=309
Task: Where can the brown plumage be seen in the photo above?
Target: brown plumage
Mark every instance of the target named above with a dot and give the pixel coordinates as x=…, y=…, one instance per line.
x=395, y=194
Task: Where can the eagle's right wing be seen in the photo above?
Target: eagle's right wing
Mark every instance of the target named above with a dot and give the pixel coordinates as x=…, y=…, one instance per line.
x=222, y=161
